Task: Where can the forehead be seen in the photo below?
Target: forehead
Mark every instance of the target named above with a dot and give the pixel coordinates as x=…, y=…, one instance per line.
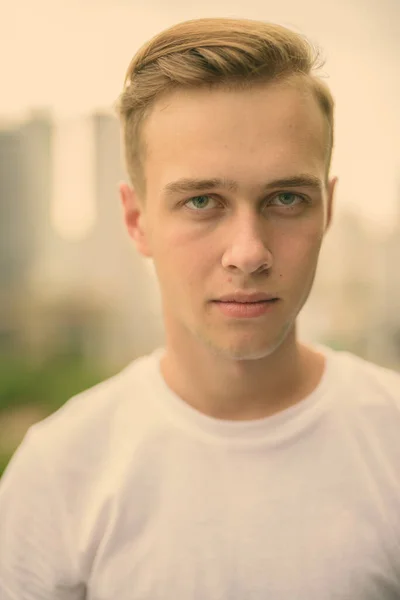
x=268, y=127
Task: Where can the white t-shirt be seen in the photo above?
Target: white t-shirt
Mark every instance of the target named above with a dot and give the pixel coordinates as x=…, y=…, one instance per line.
x=129, y=493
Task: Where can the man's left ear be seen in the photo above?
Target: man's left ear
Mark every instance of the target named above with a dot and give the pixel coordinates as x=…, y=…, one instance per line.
x=134, y=217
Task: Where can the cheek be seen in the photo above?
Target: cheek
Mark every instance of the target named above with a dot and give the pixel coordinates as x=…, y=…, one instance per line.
x=299, y=252
x=181, y=256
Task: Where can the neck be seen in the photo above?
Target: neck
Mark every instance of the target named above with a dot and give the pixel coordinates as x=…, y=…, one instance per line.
x=231, y=389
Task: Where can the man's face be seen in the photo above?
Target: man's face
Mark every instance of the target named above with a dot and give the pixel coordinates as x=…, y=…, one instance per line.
x=236, y=229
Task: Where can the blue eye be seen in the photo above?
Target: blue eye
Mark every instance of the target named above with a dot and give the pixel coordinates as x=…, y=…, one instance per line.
x=200, y=201
x=287, y=198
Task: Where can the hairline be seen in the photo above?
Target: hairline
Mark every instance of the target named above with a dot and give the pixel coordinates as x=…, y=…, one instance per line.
x=231, y=84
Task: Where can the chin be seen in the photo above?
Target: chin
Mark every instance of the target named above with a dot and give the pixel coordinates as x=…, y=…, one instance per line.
x=240, y=350
x=251, y=354
x=248, y=347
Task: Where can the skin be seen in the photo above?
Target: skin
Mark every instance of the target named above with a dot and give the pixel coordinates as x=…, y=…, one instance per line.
x=216, y=240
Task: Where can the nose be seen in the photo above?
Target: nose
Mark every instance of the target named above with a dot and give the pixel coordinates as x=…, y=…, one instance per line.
x=247, y=249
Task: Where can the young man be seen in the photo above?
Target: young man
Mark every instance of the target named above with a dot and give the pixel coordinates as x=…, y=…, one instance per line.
x=237, y=462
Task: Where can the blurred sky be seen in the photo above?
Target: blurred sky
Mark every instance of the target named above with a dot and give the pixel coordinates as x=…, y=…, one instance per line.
x=71, y=56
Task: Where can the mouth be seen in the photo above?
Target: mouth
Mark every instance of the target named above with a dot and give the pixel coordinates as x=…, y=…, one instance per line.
x=248, y=309
x=247, y=301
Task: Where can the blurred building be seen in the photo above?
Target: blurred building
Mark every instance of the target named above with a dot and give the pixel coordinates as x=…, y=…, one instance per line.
x=15, y=236
x=25, y=183
x=93, y=295
x=387, y=322
x=355, y=302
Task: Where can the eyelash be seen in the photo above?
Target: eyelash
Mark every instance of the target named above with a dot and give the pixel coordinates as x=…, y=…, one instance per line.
x=302, y=198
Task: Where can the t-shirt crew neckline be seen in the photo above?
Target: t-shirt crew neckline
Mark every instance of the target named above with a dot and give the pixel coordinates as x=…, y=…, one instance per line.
x=274, y=428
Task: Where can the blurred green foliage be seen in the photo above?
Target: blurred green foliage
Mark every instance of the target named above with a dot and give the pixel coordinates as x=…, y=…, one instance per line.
x=4, y=459
x=46, y=386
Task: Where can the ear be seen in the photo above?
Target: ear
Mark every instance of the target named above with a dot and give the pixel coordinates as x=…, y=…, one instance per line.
x=331, y=194
x=134, y=217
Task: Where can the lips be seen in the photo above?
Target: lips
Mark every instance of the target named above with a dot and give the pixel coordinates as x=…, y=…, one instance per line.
x=247, y=298
x=256, y=302
x=246, y=310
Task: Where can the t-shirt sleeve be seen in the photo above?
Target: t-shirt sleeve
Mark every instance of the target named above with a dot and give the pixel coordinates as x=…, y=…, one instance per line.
x=36, y=560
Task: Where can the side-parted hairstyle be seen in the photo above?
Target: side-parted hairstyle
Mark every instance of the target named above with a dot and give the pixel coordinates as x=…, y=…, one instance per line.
x=213, y=52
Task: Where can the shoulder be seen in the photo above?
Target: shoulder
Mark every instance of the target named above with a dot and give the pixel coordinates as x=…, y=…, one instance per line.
x=376, y=381
x=81, y=432
x=366, y=393
x=65, y=471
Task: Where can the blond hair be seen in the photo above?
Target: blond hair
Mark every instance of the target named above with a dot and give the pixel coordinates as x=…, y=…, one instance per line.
x=213, y=52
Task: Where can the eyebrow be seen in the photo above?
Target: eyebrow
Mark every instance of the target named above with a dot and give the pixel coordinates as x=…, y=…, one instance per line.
x=185, y=184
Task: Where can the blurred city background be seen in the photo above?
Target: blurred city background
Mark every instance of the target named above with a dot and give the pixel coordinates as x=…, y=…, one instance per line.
x=77, y=303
